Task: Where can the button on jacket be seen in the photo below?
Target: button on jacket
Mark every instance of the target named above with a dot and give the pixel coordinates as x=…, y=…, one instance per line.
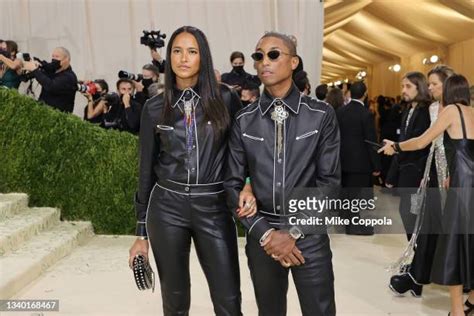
x=309, y=155
x=163, y=149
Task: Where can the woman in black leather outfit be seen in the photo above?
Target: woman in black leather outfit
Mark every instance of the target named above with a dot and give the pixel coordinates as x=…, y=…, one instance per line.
x=183, y=145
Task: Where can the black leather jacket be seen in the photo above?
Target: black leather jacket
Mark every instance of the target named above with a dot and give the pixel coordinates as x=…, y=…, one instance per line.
x=310, y=155
x=163, y=152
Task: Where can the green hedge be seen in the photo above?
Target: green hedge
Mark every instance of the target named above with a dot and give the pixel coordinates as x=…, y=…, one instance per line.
x=61, y=161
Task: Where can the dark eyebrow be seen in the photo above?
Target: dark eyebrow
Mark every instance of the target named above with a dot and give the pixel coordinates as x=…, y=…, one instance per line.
x=271, y=48
x=186, y=48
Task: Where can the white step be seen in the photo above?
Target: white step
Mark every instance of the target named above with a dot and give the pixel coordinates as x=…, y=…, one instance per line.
x=22, y=266
x=23, y=226
x=11, y=204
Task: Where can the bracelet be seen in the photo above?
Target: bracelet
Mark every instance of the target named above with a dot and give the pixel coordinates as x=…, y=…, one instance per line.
x=397, y=147
x=143, y=237
x=247, y=180
x=394, y=148
x=267, y=233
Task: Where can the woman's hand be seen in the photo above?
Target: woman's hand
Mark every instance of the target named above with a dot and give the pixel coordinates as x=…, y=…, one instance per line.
x=247, y=203
x=446, y=183
x=387, y=148
x=139, y=247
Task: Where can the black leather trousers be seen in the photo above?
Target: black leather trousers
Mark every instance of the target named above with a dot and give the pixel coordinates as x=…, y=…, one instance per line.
x=314, y=280
x=173, y=219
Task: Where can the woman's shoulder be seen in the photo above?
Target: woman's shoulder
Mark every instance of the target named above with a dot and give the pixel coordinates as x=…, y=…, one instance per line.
x=154, y=105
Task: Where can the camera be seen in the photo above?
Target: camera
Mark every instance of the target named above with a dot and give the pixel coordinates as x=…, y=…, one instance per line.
x=112, y=98
x=128, y=75
x=112, y=118
x=153, y=39
x=89, y=88
x=23, y=56
x=49, y=68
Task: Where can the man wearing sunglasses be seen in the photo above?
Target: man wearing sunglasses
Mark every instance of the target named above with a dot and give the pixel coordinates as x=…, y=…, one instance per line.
x=284, y=140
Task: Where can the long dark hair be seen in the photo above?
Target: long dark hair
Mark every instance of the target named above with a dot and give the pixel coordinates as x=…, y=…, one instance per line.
x=419, y=80
x=213, y=106
x=456, y=90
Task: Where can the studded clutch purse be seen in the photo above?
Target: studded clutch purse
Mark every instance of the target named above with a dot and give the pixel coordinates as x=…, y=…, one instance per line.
x=144, y=275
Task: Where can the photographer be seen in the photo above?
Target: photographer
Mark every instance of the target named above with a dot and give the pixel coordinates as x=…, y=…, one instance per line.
x=238, y=77
x=157, y=60
x=122, y=112
x=155, y=40
x=95, y=109
x=10, y=67
x=249, y=94
x=58, y=81
x=151, y=75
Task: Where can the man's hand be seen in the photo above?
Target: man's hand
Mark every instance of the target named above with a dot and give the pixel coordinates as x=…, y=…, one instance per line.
x=138, y=247
x=138, y=86
x=376, y=173
x=126, y=100
x=155, y=55
x=247, y=202
x=295, y=258
x=30, y=65
x=278, y=244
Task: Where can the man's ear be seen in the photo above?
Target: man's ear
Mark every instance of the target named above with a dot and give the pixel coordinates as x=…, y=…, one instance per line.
x=295, y=61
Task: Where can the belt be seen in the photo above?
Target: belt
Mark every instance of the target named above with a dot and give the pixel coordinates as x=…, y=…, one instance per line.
x=191, y=189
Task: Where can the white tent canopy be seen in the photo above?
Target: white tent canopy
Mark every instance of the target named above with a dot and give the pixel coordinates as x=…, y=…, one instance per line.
x=360, y=34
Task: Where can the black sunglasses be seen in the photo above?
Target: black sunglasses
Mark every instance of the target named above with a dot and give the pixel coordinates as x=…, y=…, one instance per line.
x=272, y=55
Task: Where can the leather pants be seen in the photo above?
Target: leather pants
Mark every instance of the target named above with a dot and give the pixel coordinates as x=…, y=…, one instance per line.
x=173, y=219
x=314, y=280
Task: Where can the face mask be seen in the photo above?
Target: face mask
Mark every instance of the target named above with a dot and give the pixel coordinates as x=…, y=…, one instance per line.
x=5, y=53
x=96, y=96
x=53, y=66
x=147, y=82
x=238, y=69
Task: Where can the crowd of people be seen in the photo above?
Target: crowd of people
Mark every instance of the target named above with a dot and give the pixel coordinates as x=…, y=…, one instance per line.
x=120, y=109
x=207, y=146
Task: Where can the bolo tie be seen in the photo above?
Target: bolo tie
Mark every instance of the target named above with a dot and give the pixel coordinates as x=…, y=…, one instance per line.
x=188, y=120
x=279, y=115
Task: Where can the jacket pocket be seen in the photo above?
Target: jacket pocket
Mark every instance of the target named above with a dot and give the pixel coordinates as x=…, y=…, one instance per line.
x=308, y=134
x=260, y=139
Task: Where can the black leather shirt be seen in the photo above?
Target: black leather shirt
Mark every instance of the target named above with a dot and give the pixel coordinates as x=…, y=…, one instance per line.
x=309, y=156
x=164, y=152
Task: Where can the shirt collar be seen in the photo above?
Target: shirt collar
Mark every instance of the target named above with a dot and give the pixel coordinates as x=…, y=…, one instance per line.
x=180, y=96
x=358, y=101
x=291, y=100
